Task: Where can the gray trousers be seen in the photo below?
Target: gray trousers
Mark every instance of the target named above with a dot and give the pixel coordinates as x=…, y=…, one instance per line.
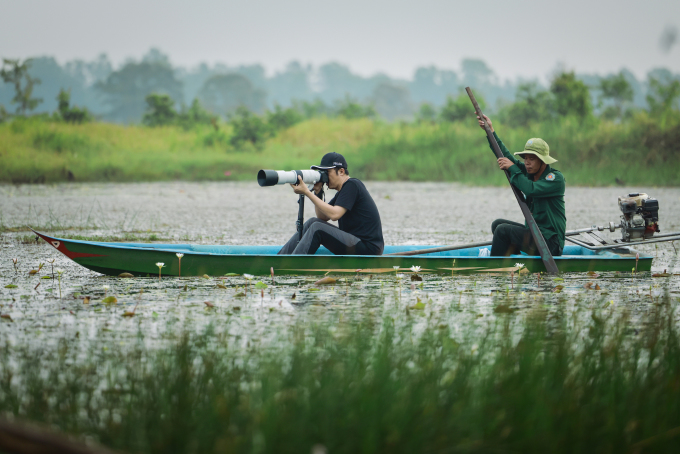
x=316, y=233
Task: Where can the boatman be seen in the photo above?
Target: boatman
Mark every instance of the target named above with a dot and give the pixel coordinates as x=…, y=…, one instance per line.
x=360, y=229
x=543, y=188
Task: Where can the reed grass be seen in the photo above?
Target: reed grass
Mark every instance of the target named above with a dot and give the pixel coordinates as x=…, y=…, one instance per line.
x=562, y=383
x=597, y=152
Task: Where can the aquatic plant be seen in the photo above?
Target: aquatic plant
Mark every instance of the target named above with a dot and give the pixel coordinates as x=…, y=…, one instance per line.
x=179, y=257
x=59, y=273
x=160, y=265
x=52, y=265
x=385, y=386
x=249, y=277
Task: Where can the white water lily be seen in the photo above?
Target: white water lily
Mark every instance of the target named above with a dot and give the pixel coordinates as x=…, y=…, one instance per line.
x=415, y=269
x=159, y=265
x=519, y=266
x=59, y=270
x=179, y=255
x=105, y=287
x=248, y=276
x=396, y=267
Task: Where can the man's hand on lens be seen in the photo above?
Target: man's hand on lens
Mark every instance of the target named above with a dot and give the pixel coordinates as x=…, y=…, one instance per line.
x=300, y=188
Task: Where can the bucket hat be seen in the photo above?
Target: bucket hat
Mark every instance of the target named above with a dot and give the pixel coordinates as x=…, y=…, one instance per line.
x=539, y=148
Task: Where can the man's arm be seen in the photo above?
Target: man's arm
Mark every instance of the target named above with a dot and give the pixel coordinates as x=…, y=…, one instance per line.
x=323, y=210
x=501, y=145
x=540, y=188
x=507, y=153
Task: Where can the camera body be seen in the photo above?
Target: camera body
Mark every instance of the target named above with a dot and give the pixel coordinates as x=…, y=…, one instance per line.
x=274, y=177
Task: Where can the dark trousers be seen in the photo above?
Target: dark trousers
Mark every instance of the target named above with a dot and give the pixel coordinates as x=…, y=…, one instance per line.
x=511, y=237
x=316, y=233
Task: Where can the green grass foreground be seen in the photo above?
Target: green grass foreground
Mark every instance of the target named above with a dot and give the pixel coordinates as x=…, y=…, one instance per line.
x=560, y=384
x=639, y=151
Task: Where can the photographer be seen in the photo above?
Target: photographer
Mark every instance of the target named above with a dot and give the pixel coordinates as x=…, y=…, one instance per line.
x=360, y=230
x=543, y=186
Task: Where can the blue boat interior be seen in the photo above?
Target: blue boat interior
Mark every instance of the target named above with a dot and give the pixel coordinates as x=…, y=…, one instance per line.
x=572, y=251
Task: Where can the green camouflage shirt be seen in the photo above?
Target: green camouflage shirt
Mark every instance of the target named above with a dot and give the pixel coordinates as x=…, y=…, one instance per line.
x=545, y=197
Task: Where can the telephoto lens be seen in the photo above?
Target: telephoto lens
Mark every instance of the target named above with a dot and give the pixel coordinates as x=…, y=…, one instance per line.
x=274, y=177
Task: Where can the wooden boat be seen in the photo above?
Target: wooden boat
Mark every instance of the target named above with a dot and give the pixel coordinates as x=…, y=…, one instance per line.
x=140, y=259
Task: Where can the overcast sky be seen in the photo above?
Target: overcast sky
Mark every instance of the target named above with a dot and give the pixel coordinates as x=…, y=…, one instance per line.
x=526, y=38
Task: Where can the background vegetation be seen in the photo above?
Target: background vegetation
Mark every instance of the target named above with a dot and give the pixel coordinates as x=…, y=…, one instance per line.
x=599, y=133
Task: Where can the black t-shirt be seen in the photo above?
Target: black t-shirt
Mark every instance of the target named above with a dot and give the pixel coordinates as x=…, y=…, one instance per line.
x=362, y=218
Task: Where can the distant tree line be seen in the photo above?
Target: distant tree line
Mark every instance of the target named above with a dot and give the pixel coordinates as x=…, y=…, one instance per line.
x=120, y=94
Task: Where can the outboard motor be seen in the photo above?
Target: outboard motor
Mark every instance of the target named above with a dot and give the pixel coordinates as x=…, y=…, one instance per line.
x=640, y=218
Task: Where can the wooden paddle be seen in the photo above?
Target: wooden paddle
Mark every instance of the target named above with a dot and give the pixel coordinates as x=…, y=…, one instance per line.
x=543, y=250
x=442, y=248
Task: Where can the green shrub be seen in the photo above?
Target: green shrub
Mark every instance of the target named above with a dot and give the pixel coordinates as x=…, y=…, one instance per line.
x=281, y=118
x=160, y=110
x=55, y=140
x=68, y=113
x=348, y=108
x=248, y=128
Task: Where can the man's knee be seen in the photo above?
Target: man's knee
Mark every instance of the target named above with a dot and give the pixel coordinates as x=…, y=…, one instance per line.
x=311, y=221
x=318, y=228
x=495, y=224
x=502, y=230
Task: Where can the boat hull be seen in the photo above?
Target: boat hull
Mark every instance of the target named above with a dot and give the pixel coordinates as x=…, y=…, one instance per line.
x=140, y=259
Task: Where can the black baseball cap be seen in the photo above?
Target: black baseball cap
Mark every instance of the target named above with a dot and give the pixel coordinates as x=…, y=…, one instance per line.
x=331, y=161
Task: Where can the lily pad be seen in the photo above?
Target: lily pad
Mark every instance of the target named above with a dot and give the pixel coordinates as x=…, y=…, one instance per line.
x=325, y=281
x=261, y=285
x=110, y=300
x=232, y=274
x=10, y=286
x=125, y=275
